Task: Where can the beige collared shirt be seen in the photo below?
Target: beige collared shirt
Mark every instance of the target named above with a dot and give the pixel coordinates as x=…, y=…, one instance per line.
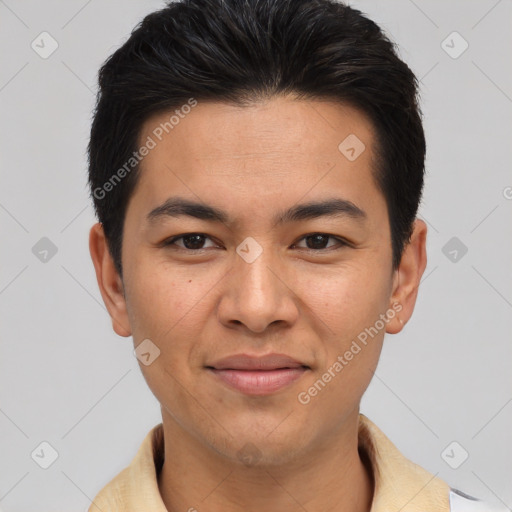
x=399, y=483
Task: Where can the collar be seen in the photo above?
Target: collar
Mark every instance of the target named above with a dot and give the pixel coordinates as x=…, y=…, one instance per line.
x=399, y=483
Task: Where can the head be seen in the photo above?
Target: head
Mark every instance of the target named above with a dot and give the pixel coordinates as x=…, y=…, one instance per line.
x=294, y=128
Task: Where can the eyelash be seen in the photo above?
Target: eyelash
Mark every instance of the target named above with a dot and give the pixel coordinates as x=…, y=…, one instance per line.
x=341, y=243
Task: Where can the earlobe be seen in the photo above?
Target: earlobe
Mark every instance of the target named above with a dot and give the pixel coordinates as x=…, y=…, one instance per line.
x=396, y=324
x=408, y=276
x=109, y=281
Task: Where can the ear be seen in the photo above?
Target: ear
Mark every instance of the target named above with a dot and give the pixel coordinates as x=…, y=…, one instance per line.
x=407, y=277
x=110, y=283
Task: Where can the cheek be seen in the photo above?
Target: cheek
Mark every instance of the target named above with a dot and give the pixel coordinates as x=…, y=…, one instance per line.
x=166, y=307
x=161, y=299
x=348, y=302
x=347, y=299
x=349, y=305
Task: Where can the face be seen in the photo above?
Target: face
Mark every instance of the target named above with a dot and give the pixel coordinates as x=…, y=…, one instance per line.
x=286, y=255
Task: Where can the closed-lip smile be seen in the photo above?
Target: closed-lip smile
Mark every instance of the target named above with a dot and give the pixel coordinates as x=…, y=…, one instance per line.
x=258, y=375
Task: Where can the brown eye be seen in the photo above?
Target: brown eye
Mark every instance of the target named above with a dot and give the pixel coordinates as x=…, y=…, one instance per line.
x=317, y=241
x=193, y=241
x=320, y=241
x=189, y=241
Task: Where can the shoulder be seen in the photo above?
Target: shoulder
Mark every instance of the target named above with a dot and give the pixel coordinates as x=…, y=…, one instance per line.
x=136, y=486
x=112, y=496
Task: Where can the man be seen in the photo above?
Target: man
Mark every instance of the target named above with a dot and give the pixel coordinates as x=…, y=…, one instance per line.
x=256, y=168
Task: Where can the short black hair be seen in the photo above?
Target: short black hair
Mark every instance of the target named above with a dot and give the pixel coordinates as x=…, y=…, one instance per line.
x=242, y=51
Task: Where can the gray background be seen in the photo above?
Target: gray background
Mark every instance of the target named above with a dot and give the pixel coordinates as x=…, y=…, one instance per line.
x=68, y=379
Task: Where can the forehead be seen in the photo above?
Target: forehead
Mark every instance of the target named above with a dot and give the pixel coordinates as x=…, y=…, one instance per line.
x=275, y=151
x=293, y=125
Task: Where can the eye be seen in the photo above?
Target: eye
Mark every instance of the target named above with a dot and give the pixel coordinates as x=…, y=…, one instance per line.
x=196, y=242
x=189, y=241
x=319, y=241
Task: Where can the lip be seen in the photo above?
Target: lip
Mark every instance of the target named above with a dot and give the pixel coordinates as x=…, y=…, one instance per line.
x=248, y=362
x=258, y=375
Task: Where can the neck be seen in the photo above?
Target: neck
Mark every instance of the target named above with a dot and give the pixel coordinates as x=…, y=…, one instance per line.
x=331, y=477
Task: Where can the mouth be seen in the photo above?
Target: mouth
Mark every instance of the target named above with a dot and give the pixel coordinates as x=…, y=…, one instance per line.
x=258, y=376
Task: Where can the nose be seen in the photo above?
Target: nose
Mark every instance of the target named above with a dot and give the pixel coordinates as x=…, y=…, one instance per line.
x=257, y=295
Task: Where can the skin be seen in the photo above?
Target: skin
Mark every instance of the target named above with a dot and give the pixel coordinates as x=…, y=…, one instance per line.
x=254, y=162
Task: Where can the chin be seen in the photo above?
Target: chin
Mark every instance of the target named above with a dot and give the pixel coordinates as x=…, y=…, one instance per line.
x=262, y=449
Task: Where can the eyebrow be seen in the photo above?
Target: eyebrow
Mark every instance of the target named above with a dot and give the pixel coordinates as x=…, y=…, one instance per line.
x=335, y=207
